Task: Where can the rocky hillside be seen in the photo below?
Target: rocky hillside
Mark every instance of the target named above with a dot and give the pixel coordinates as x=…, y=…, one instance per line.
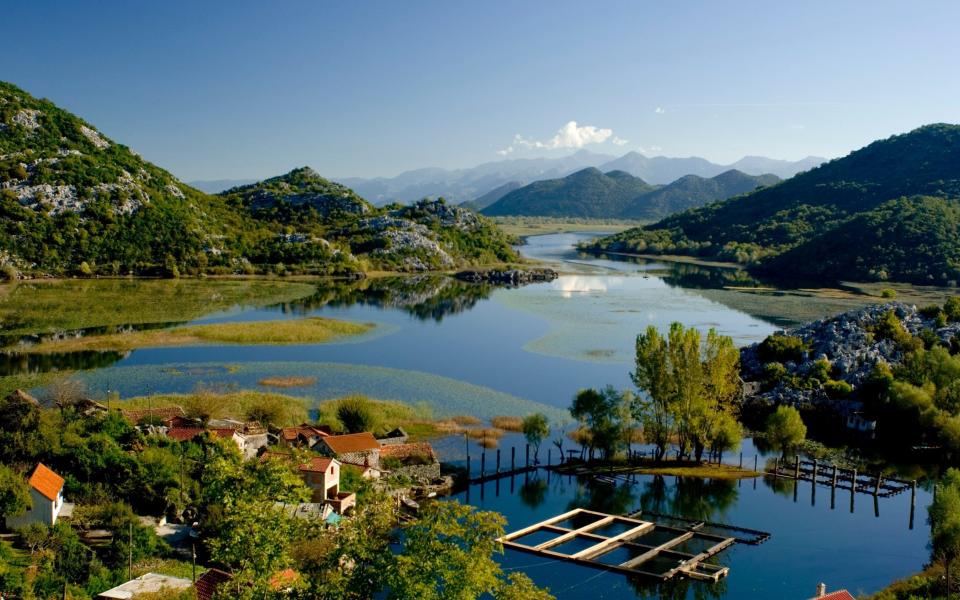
x=805, y=365
x=73, y=201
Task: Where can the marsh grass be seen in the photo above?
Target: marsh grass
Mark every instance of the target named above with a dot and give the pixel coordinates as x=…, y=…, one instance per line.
x=416, y=419
x=705, y=471
x=269, y=408
x=37, y=307
x=466, y=420
x=312, y=330
x=507, y=423
x=287, y=382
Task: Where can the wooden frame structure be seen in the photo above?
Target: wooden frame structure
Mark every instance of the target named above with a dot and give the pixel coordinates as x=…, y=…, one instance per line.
x=673, y=562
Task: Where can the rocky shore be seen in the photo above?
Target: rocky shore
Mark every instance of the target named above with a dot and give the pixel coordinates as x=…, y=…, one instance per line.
x=849, y=343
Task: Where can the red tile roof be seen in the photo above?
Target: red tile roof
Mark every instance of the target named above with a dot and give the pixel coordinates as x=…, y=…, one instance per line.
x=182, y=434
x=317, y=464
x=837, y=595
x=292, y=433
x=223, y=432
x=207, y=584
x=352, y=442
x=46, y=482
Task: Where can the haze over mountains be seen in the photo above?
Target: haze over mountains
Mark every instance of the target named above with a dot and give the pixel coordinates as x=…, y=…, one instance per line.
x=461, y=185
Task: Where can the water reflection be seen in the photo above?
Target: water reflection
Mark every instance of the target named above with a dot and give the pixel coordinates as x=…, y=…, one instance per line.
x=701, y=499
x=426, y=297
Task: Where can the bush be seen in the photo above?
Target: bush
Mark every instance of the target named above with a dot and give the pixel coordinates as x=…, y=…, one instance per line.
x=774, y=373
x=782, y=348
x=9, y=273
x=837, y=389
x=356, y=414
x=888, y=293
x=952, y=308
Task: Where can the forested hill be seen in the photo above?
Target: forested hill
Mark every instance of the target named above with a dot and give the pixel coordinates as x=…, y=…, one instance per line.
x=73, y=201
x=587, y=193
x=617, y=194
x=886, y=211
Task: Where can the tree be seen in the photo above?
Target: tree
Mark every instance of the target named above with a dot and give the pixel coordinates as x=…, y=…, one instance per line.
x=448, y=553
x=536, y=428
x=785, y=429
x=687, y=384
x=14, y=493
x=944, y=518
x=602, y=415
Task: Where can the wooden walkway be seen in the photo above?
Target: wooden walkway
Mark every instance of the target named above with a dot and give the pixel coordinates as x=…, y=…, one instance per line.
x=661, y=560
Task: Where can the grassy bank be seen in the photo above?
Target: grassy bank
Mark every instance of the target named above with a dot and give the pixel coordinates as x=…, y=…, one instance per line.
x=313, y=330
x=525, y=226
x=705, y=471
x=38, y=307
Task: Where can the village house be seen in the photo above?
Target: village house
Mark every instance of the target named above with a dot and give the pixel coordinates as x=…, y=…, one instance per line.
x=322, y=476
x=46, y=496
x=249, y=437
x=168, y=416
x=358, y=449
x=302, y=436
x=837, y=595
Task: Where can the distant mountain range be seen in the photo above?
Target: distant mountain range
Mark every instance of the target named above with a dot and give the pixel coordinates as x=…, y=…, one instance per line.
x=591, y=193
x=476, y=183
x=889, y=211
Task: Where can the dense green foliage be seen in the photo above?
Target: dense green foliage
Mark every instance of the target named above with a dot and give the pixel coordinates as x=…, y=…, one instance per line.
x=691, y=387
x=785, y=429
x=887, y=211
x=74, y=202
x=618, y=195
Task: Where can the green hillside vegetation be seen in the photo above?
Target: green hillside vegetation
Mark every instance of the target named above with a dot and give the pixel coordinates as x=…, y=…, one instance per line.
x=691, y=191
x=588, y=193
x=618, y=195
x=72, y=201
x=866, y=207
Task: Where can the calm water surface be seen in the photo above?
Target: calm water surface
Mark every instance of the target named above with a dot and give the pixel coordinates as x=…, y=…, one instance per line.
x=542, y=343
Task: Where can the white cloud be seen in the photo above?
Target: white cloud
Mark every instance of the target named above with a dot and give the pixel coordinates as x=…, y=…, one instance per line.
x=617, y=141
x=570, y=135
x=659, y=110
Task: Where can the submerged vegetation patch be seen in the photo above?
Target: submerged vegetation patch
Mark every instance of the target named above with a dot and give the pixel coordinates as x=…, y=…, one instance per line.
x=312, y=330
x=46, y=307
x=445, y=397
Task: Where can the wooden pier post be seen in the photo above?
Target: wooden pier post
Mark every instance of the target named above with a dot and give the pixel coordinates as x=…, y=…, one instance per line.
x=755, y=462
x=815, y=468
x=796, y=468
x=549, y=457
x=468, y=471
x=513, y=457
x=741, y=460
x=853, y=481
x=498, y=460
x=913, y=500
x=834, y=484
x=776, y=466
x=483, y=463
x=876, y=485
x=527, y=464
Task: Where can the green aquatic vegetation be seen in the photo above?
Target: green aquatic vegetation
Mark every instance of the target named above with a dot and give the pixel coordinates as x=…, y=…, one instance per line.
x=312, y=330
x=445, y=397
x=43, y=307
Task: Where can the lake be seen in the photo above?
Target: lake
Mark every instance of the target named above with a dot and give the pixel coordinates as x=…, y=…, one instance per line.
x=474, y=349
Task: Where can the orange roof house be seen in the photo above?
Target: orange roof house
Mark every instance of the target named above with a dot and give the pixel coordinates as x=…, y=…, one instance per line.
x=46, y=496
x=351, y=442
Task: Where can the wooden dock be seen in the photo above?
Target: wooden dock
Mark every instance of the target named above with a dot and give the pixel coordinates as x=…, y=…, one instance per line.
x=658, y=558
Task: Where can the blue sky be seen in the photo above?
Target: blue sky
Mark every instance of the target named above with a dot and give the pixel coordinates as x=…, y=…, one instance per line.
x=239, y=89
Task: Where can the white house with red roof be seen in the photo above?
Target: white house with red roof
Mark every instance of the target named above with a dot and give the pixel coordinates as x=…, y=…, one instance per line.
x=322, y=476
x=46, y=496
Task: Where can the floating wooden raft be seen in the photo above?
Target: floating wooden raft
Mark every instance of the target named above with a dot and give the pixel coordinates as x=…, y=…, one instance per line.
x=656, y=557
